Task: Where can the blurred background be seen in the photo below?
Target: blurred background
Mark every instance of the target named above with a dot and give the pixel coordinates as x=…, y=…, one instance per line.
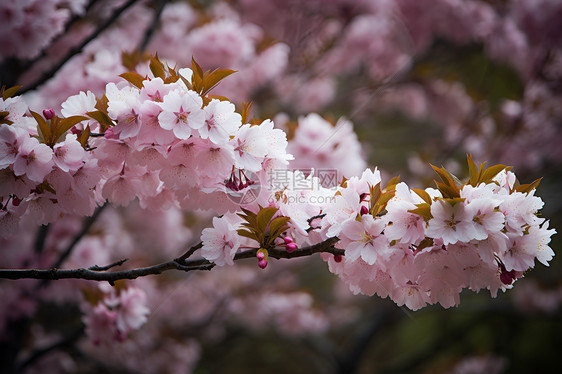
x=417, y=81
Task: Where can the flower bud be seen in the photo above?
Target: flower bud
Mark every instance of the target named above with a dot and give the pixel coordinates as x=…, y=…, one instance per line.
x=16, y=201
x=262, y=263
x=260, y=255
x=290, y=247
x=288, y=239
x=48, y=113
x=338, y=258
x=364, y=210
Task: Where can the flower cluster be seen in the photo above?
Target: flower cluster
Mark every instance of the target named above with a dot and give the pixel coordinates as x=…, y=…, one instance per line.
x=29, y=26
x=116, y=315
x=159, y=139
x=415, y=246
x=425, y=246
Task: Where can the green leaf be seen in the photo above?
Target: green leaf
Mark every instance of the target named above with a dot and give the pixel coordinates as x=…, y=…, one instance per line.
x=447, y=191
x=526, y=188
x=102, y=104
x=450, y=185
x=375, y=193
x=423, y=210
x=66, y=124
x=455, y=201
x=134, y=78
x=3, y=120
x=186, y=82
x=84, y=136
x=10, y=92
x=245, y=112
x=490, y=173
x=157, y=67
x=276, y=228
x=247, y=234
x=219, y=97
x=392, y=183
x=213, y=79
x=197, y=76
x=102, y=118
x=472, y=171
x=44, y=128
x=423, y=194
x=264, y=216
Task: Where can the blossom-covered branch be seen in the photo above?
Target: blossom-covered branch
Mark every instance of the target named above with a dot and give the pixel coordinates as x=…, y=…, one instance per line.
x=99, y=273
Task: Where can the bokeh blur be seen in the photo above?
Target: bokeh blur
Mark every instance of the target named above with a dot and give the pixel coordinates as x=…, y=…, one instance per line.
x=417, y=81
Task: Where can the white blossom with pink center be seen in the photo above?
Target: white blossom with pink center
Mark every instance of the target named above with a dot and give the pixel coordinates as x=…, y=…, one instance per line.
x=181, y=113
x=365, y=239
x=451, y=223
x=221, y=242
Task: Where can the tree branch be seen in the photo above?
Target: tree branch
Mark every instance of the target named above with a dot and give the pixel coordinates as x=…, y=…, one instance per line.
x=40, y=238
x=153, y=25
x=107, y=267
x=87, y=224
x=185, y=265
x=78, y=49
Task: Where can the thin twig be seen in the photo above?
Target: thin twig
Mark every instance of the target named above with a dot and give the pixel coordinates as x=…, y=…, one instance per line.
x=41, y=238
x=69, y=24
x=87, y=224
x=64, y=342
x=186, y=265
x=153, y=25
x=107, y=267
x=189, y=253
x=76, y=50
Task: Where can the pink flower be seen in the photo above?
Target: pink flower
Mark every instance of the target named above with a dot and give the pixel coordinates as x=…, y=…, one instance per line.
x=69, y=154
x=100, y=324
x=405, y=227
x=132, y=311
x=221, y=121
x=121, y=188
x=34, y=160
x=221, y=242
x=450, y=223
x=181, y=112
x=364, y=239
x=215, y=163
x=249, y=148
x=485, y=218
x=11, y=139
x=124, y=107
x=79, y=105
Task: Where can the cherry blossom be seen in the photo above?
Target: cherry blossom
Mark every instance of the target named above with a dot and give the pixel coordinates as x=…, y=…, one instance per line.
x=181, y=112
x=452, y=223
x=364, y=239
x=221, y=242
x=35, y=160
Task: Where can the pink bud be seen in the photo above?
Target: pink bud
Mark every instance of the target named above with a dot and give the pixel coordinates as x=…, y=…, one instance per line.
x=48, y=113
x=364, y=210
x=16, y=201
x=290, y=247
x=262, y=263
x=260, y=255
x=338, y=258
x=288, y=239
